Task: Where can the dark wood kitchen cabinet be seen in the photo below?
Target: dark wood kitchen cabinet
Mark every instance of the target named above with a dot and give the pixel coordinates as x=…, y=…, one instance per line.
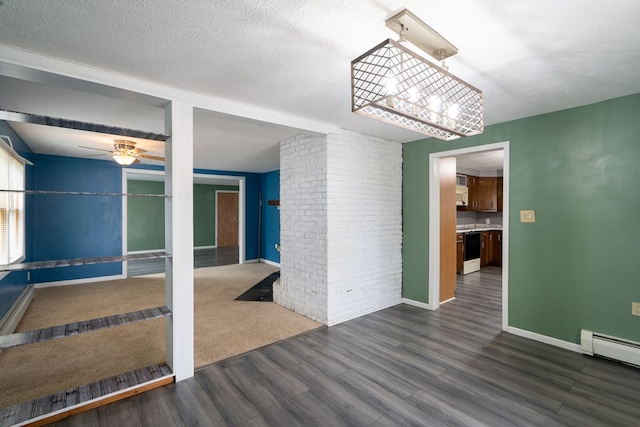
x=491, y=248
x=499, y=184
x=496, y=248
x=484, y=194
x=460, y=253
x=485, y=249
x=488, y=188
x=474, y=193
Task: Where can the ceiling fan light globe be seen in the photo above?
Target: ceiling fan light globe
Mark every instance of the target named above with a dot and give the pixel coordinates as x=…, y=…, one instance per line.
x=123, y=159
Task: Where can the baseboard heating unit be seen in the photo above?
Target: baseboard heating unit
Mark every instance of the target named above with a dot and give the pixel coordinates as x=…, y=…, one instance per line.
x=595, y=344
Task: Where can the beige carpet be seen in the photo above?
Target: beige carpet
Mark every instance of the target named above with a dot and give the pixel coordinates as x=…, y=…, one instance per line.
x=223, y=328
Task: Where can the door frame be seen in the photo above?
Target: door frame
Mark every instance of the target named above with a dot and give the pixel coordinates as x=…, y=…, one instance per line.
x=217, y=213
x=199, y=178
x=434, y=223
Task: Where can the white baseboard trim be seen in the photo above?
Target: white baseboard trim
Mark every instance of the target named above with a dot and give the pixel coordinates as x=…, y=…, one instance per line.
x=545, y=339
x=251, y=261
x=266, y=261
x=79, y=281
x=418, y=304
x=10, y=321
x=364, y=313
x=146, y=251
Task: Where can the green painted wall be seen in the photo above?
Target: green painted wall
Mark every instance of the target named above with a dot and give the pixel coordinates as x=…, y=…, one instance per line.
x=574, y=267
x=145, y=216
x=204, y=213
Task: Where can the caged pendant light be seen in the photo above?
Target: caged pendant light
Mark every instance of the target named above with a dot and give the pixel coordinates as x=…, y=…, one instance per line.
x=393, y=84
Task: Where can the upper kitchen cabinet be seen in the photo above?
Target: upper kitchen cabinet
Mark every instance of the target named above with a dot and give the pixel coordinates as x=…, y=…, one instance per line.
x=484, y=194
x=474, y=193
x=488, y=194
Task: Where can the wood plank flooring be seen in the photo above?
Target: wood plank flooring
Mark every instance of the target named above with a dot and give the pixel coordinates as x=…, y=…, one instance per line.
x=201, y=258
x=396, y=367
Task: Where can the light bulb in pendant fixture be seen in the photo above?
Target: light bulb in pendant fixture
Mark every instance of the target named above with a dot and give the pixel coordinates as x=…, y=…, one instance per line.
x=413, y=95
x=391, y=85
x=453, y=111
x=435, y=103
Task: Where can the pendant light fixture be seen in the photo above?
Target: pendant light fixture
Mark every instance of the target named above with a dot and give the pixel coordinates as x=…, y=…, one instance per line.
x=395, y=85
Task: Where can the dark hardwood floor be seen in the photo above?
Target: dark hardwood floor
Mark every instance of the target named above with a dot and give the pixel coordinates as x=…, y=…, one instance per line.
x=201, y=258
x=396, y=367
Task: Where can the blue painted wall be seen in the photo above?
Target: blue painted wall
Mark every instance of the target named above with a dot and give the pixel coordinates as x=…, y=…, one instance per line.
x=270, y=234
x=12, y=284
x=66, y=227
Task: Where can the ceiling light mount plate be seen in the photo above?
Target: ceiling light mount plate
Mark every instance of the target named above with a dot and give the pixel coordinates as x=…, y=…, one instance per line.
x=124, y=145
x=414, y=30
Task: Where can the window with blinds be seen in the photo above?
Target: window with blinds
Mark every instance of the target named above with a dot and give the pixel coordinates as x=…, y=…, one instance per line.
x=11, y=209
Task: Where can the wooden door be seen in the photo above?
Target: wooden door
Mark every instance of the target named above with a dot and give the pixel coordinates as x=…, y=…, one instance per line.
x=448, y=248
x=227, y=219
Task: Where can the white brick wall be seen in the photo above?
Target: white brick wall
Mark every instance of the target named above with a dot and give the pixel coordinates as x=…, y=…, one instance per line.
x=364, y=192
x=303, y=227
x=341, y=226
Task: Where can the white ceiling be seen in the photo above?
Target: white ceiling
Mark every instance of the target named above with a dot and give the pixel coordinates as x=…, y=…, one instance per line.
x=481, y=161
x=528, y=57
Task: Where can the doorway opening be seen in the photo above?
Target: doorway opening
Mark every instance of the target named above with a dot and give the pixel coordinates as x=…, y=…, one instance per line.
x=143, y=226
x=435, y=221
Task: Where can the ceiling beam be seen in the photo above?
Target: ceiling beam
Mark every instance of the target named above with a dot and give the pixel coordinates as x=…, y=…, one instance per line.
x=14, y=116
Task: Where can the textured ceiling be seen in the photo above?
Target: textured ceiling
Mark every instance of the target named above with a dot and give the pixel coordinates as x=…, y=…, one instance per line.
x=528, y=57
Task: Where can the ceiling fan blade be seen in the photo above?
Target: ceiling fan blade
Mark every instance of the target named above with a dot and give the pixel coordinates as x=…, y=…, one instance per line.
x=91, y=148
x=147, y=156
x=138, y=151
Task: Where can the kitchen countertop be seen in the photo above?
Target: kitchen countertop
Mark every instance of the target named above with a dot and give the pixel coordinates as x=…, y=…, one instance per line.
x=478, y=227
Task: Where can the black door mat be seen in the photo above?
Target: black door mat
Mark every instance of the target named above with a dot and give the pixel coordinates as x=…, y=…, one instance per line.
x=263, y=291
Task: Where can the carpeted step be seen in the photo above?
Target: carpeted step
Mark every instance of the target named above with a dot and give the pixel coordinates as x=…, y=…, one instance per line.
x=75, y=328
x=60, y=405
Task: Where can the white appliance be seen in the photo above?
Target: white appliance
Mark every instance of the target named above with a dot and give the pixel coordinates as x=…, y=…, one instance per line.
x=462, y=195
x=472, y=241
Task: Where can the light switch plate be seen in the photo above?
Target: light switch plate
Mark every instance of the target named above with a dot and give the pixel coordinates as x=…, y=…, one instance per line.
x=635, y=308
x=528, y=216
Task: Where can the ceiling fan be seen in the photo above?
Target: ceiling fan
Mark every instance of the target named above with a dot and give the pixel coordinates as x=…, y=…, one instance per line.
x=126, y=153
